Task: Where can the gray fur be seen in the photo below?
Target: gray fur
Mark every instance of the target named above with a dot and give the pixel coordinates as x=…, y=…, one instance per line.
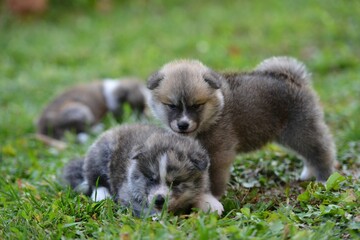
x=126, y=161
x=274, y=102
x=83, y=106
x=74, y=175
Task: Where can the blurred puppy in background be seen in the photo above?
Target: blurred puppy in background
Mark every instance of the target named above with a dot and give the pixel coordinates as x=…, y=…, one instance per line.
x=83, y=106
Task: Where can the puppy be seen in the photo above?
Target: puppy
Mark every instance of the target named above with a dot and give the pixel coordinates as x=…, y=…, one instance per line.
x=241, y=112
x=143, y=165
x=85, y=105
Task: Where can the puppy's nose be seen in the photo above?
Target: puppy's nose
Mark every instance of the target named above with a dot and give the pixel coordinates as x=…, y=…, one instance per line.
x=183, y=125
x=159, y=200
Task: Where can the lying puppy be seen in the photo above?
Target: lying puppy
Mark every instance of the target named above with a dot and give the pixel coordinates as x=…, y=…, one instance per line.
x=83, y=106
x=241, y=112
x=143, y=165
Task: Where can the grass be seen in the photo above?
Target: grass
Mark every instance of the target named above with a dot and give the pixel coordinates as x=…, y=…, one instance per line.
x=43, y=55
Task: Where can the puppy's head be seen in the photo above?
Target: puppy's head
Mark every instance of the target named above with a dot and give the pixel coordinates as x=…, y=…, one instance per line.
x=126, y=90
x=131, y=91
x=169, y=170
x=186, y=96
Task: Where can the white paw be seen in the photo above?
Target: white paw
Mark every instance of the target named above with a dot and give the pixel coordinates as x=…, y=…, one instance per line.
x=100, y=193
x=82, y=187
x=306, y=174
x=82, y=137
x=209, y=203
x=98, y=128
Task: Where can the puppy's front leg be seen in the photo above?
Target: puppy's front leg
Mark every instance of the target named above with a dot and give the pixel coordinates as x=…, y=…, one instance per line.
x=221, y=162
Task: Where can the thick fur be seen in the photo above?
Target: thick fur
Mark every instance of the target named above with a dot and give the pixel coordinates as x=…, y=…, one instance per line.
x=241, y=112
x=85, y=105
x=143, y=165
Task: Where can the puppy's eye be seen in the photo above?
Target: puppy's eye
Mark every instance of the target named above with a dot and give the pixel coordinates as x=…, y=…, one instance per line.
x=171, y=106
x=196, y=106
x=152, y=179
x=176, y=183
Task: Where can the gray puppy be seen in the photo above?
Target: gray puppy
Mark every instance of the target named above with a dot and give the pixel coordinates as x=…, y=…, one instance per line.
x=141, y=165
x=240, y=112
x=84, y=105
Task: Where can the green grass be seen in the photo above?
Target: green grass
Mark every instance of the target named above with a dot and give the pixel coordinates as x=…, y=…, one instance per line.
x=40, y=56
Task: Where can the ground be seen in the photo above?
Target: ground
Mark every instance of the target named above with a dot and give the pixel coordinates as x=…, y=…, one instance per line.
x=79, y=41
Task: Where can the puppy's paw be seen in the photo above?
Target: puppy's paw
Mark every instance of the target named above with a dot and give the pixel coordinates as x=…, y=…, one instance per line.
x=98, y=128
x=306, y=174
x=100, y=193
x=82, y=137
x=83, y=187
x=208, y=203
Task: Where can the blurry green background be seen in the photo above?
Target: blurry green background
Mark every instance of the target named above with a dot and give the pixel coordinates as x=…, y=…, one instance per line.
x=77, y=41
x=80, y=41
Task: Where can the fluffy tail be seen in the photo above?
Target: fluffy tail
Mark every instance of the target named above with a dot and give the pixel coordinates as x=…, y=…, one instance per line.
x=73, y=175
x=288, y=67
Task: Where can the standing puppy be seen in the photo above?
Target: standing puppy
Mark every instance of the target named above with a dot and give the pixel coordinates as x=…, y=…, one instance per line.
x=242, y=112
x=143, y=165
x=85, y=105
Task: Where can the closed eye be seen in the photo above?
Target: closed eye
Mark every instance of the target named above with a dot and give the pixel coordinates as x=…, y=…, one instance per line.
x=196, y=106
x=171, y=106
x=176, y=183
x=152, y=179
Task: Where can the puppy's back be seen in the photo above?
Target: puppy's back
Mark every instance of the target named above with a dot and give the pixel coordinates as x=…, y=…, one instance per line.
x=267, y=98
x=80, y=104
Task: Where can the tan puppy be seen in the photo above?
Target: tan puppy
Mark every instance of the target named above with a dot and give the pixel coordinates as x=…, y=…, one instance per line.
x=241, y=112
x=85, y=105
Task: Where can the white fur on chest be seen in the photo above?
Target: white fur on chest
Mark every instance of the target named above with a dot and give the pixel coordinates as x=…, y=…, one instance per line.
x=109, y=87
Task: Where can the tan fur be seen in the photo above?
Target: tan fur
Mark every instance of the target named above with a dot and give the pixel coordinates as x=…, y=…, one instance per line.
x=83, y=104
x=244, y=111
x=60, y=145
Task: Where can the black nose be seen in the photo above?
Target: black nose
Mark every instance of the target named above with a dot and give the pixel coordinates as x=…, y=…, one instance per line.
x=183, y=125
x=159, y=200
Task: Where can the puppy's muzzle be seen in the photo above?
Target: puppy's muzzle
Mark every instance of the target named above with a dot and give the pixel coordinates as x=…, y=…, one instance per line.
x=183, y=125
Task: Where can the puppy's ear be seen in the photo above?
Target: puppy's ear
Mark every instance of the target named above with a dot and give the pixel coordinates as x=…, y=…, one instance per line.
x=154, y=80
x=200, y=161
x=213, y=79
x=136, y=153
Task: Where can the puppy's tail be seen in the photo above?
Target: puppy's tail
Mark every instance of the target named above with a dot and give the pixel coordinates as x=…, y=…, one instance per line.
x=60, y=145
x=290, y=68
x=73, y=175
